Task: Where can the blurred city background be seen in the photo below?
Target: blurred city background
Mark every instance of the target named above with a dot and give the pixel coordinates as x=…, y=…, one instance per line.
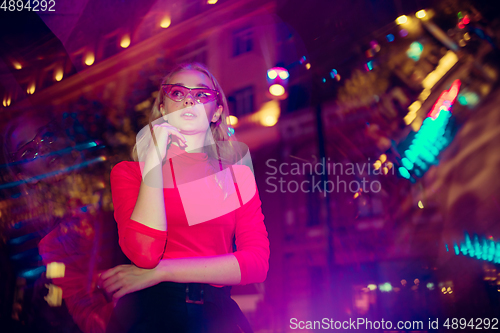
x=404, y=91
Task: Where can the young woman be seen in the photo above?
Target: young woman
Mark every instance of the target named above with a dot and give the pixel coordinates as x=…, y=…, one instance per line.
x=179, y=209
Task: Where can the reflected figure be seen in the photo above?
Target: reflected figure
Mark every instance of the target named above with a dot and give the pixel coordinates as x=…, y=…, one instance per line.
x=59, y=204
x=178, y=208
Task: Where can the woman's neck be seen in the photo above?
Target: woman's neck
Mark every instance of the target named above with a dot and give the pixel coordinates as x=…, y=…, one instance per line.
x=196, y=142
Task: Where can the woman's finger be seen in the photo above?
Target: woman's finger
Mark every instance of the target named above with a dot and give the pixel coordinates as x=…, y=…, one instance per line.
x=110, y=272
x=111, y=289
x=122, y=292
x=181, y=137
x=110, y=281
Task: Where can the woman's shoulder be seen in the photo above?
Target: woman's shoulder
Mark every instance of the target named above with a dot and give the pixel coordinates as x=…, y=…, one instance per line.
x=126, y=169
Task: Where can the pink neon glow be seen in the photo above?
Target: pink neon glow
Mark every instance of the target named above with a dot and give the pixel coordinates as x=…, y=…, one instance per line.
x=448, y=97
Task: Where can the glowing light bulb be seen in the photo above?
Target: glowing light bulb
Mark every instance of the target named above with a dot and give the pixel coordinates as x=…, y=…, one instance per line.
x=402, y=19
x=6, y=101
x=31, y=89
x=308, y=66
x=58, y=74
x=212, y=2
x=17, y=65
x=420, y=205
x=372, y=286
x=284, y=75
x=269, y=120
x=165, y=22
x=421, y=14
x=277, y=90
x=272, y=74
x=125, y=42
x=89, y=59
x=232, y=120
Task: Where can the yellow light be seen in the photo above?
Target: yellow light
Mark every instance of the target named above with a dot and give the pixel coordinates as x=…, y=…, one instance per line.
x=389, y=165
x=31, y=88
x=372, y=286
x=212, y=2
x=402, y=19
x=466, y=36
x=383, y=158
x=272, y=74
x=337, y=77
x=462, y=43
x=17, y=65
x=6, y=101
x=356, y=195
x=424, y=94
x=269, y=120
x=58, y=74
x=125, y=42
x=377, y=165
x=232, y=120
x=165, y=22
x=409, y=118
x=89, y=59
x=55, y=270
x=414, y=107
x=445, y=64
x=420, y=205
x=386, y=170
x=267, y=115
x=421, y=14
x=308, y=66
x=276, y=90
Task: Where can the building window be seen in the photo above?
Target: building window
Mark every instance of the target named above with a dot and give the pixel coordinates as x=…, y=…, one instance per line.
x=241, y=102
x=242, y=41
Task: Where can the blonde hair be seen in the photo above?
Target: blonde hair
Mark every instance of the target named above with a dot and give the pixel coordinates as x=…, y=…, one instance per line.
x=224, y=152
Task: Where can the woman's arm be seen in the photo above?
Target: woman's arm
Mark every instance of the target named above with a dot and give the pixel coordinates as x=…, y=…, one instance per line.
x=150, y=206
x=124, y=279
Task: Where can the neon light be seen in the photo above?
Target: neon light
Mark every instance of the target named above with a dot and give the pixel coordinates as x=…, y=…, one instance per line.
x=390, y=38
x=482, y=249
x=369, y=65
x=415, y=51
x=448, y=96
x=430, y=139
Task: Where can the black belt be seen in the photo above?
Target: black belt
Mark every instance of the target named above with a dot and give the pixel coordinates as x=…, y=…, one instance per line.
x=195, y=293
x=157, y=309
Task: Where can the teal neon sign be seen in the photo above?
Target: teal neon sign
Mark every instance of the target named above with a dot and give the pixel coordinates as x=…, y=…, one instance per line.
x=415, y=51
x=430, y=140
x=482, y=249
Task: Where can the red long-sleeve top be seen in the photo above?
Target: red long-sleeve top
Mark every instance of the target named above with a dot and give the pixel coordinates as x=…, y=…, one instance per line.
x=238, y=216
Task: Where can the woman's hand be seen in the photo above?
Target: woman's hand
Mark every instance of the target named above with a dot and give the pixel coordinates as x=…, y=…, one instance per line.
x=125, y=279
x=161, y=132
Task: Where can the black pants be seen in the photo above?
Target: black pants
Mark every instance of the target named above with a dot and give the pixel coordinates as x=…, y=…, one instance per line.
x=163, y=308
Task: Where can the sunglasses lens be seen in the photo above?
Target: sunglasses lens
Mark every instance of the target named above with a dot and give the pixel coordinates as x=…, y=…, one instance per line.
x=176, y=93
x=179, y=93
x=26, y=154
x=204, y=95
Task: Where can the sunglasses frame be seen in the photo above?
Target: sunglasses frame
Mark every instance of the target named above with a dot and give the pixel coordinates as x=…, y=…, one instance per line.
x=189, y=93
x=39, y=135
